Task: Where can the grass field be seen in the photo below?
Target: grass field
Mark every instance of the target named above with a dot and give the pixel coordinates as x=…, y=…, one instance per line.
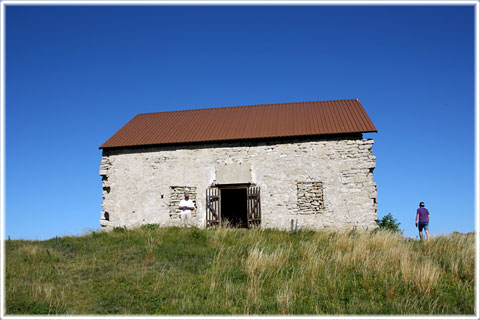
x=225, y=271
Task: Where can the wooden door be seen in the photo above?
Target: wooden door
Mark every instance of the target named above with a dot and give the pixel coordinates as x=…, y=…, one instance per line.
x=213, y=207
x=254, y=212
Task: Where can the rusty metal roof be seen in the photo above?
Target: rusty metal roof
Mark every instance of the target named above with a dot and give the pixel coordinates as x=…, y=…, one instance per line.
x=245, y=122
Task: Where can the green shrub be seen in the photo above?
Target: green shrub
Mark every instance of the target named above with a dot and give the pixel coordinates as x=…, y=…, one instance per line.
x=388, y=223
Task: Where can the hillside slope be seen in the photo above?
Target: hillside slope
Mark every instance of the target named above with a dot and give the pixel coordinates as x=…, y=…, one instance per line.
x=153, y=270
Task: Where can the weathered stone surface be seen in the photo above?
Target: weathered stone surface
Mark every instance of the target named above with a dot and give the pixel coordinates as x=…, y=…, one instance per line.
x=310, y=198
x=318, y=183
x=176, y=195
x=229, y=173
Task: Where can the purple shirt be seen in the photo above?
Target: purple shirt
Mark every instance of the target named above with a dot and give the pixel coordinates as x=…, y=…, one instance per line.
x=423, y=215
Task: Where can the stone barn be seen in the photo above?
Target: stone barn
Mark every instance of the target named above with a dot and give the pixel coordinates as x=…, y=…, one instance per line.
x=289, y=165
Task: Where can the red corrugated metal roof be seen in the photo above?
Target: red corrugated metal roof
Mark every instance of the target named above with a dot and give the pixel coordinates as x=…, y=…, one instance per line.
x=245, y=122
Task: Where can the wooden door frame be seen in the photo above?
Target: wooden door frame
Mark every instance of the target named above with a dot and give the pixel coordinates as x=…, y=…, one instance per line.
x=217, y=194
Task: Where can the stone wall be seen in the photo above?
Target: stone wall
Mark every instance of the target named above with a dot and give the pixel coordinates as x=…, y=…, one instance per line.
x=310, y=198
x=177, y=194
x=315, y=183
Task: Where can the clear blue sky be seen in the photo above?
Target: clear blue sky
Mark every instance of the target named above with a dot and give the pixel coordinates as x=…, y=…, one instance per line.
x=77, y=74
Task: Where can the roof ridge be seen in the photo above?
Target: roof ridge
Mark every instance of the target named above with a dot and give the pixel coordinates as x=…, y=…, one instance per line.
x=246, y=106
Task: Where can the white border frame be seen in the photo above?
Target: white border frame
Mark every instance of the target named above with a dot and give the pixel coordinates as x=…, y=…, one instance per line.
x=241, y=2
x=2, y=159
x=3, y=3
x=477, y=156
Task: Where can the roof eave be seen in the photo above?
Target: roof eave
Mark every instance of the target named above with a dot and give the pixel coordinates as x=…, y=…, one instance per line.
x=137, y=146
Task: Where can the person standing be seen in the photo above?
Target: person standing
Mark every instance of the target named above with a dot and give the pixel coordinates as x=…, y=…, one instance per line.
x=422, y=219
x=186, y=205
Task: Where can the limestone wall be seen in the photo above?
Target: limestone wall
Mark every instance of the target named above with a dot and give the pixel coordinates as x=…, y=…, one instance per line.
x=313, y=183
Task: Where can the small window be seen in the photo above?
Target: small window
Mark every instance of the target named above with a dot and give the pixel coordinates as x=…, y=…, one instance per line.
x=310, y=198
x=177, y=195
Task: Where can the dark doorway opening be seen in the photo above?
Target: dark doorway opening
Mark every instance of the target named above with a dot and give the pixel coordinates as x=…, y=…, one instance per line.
x=234, y=206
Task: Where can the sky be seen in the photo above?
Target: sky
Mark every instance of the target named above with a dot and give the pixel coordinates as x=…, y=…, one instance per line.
x=76, y=74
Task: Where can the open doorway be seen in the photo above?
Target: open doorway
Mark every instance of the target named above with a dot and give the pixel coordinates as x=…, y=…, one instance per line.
x=234, y=206
x=237, y=205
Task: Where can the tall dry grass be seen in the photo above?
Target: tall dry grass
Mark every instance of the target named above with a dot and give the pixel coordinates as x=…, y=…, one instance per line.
x=227, y=271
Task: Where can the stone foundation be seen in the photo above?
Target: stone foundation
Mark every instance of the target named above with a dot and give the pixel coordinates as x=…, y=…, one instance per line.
x=316, y=183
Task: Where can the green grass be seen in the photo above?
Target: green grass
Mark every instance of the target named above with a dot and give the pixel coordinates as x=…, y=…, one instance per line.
x=153, y=270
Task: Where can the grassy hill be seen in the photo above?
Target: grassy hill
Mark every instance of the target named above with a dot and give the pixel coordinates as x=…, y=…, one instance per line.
x=153, y=270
